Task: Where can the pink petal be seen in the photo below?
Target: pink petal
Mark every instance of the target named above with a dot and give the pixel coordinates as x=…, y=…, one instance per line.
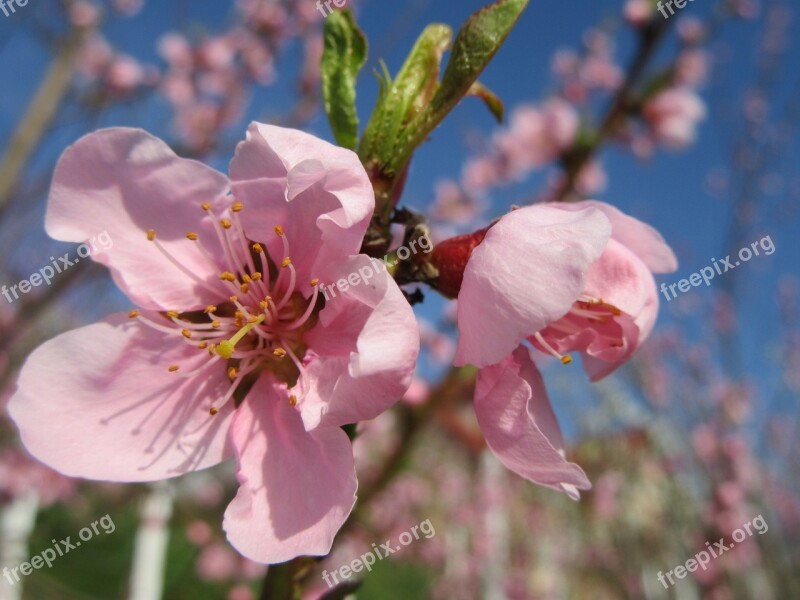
x=98, y=402
x=642, y=239
x=296, y=487
x=124, y=182
x=620, y=278
x=526, y=273
x=520, y=427
x=368, y=343
x=319, y=193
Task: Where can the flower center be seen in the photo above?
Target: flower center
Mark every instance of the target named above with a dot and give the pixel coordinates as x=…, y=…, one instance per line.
x=585, y=312
x=259, y=322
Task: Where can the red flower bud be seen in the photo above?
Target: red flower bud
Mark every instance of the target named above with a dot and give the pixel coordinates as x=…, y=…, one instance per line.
x=450, y=259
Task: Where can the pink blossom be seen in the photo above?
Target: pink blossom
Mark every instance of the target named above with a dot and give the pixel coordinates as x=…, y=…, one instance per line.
x=673, y=116
x=84, y=14
x=638, y=12
x=233, y=352
x=617, y=309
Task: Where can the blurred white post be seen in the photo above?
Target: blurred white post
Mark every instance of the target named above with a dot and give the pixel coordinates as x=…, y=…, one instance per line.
x=150, y=547
x=16, y=524
x=494, y=479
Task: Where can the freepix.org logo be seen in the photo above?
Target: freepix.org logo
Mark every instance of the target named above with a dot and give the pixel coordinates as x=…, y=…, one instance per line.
x=8, y=5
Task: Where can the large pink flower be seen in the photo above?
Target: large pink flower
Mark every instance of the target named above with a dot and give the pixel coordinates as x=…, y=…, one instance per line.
x=233, y=351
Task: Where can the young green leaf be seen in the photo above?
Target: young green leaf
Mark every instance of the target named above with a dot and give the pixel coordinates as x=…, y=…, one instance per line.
x=344, y=55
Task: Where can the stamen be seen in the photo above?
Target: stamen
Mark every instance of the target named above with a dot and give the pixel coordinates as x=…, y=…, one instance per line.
x=173, y=368
x=133, y=314
x=564, y=358
x=192, y=236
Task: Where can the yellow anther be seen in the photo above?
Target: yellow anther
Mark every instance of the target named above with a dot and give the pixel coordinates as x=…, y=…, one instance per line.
x=227, y=276
x=244, y=288
x=258, y=248
x=314, y=282
x=186, y=333
x=173, y=368
x=286, y=262
x=226, y=347
x=213, y=411
x=237, y=207
x=279, y=230
x=292, y=400
x=257, y=276
x=252, y=319
x=566, y=359
x=232, y=372
x=151, y=235
x=246, y=278
x=215, y=324
x=264, y=304
x=202, y=345
x=210, y=309
x=211, y=348
x=206, y=206
x=172, y=314
x=226, y=224
x=234, y=299
x=239, y=314
x=279, y=352
x=133, y=314
x=192, y=236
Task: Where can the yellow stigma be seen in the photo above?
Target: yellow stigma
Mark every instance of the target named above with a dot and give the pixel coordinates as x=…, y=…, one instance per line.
x=192, y=236
x=226, y=347
x=237, y=207
x=286, y=262
x=279, y=230
x=151, y=235
x=566, y=359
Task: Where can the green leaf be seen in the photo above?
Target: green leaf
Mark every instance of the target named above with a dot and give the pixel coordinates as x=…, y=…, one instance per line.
x=492, y=100
x=476, y=44
x=401, y=100
x=344, y=55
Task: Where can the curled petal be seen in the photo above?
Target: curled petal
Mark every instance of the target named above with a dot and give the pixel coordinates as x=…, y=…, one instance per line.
x=518, y=423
